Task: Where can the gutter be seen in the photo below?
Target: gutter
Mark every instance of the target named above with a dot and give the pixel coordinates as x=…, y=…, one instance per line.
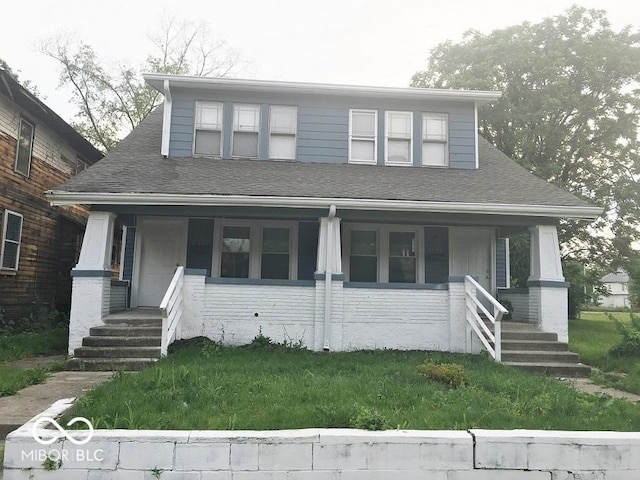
x=59, y=198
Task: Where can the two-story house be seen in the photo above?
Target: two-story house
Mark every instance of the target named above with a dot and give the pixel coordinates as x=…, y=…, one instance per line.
x=39, y=244
x=345, y=217
x=617, y=284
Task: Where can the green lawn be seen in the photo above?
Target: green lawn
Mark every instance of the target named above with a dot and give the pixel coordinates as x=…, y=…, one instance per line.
x=238, y=388
x=24, y=345
x=592, y=337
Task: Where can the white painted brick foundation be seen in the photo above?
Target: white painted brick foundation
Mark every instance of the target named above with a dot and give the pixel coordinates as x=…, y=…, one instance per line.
x=90, y=302
x=330, y=454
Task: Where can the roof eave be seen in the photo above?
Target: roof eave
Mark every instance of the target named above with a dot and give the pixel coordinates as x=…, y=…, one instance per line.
x=58, y=198
x=234, y=84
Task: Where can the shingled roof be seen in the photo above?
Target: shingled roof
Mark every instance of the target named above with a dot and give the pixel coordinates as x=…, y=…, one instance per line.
x=136, y=166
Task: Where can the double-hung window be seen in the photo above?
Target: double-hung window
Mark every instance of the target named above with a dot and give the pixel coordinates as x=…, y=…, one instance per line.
x=11, y=237
x=24, y=148
x=208, y=129
x=398, y=138
x=363, y=136
x=246, y=125
x=256, y=250
x=383, y=254
x=282, y=128
x=434, y=139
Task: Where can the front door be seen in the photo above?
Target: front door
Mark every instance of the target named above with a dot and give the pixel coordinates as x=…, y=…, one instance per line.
x=470, y=254
x=163, y=246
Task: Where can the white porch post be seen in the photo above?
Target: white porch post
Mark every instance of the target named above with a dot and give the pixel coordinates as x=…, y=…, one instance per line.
x=329, y=280
x=548, y=301
x=91, y=292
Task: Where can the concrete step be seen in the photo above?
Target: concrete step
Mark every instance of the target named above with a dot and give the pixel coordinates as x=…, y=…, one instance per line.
x=134, y=322
x=124, y=331
x=117, y=352
x=529, y=336
x=538, y=345
x=108, y=364
x=106, y=341
x=577, y=370
x=539, y=357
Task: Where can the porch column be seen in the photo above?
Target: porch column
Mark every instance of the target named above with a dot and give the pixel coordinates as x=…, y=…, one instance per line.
x=548, y=301
x=91, y=292
x=329, y=280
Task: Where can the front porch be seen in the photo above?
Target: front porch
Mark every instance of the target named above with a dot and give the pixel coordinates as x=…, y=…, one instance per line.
x=330, y=284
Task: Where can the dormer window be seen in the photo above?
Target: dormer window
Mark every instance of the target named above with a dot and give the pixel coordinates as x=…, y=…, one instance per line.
x=434, y=139
x=398, y=138
x=208, y=126
x=363, y=140
x=246, y=125
x=282, y=128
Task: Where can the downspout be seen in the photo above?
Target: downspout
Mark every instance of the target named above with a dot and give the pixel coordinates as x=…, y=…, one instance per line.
x=166, y=120
x=327, y=283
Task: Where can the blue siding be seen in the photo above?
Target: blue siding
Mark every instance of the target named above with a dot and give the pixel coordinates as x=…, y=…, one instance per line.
x=462, y=142
x=182, y=117
x=501, y=263
x=323, y=134
x=129, y=247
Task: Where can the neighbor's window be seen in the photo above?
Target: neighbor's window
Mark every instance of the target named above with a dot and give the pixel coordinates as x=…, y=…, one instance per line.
x=208, y=134
x=363, y=139
x=24, y=148
x=434, y=139
x=363, y=258
x=246, y=124
x=236, y=246
x=283, y=126
x=398, y=138
x=275, y=253
x=11, y=235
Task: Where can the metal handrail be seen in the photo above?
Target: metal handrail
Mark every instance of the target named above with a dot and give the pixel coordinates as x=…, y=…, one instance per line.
x=473, y=290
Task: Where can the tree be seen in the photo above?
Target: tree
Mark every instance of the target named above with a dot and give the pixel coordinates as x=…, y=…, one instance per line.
x=110, y=103
x=28, y=84
x=569, y=113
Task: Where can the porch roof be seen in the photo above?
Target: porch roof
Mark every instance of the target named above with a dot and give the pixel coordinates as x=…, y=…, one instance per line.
x=135, y=173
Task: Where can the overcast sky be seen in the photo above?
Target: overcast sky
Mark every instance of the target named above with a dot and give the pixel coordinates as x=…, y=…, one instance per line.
x=366, y=42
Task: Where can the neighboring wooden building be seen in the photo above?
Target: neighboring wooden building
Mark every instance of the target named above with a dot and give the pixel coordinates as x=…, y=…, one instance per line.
x=617, y=284
x=39, y=244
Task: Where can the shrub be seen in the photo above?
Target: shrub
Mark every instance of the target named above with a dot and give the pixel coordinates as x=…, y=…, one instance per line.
x=449, y=374
x=629, y=346
x=369, y=419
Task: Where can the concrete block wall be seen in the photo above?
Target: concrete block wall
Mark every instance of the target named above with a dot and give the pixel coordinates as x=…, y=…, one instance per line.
x=324, y=454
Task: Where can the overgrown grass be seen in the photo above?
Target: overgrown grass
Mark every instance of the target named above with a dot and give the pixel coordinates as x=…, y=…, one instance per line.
x=235, y=388
x=14, y=379
x=592, y=337
x=22, y=345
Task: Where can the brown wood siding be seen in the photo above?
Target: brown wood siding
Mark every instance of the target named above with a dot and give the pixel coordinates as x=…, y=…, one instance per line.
x=51, y=236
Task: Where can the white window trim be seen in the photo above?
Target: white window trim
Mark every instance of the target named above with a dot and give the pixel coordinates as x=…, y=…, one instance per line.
x=281, y=134
x=382, y=235
x=234, y=130
x=33, y=137
x=375, y=137
x=409, y=162
x=445, y=142
x=255, y=245
x=5, y=219
x=199, y=104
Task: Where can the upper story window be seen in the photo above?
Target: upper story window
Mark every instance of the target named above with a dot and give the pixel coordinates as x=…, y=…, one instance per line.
x=208, y=129
x=246, y=127
x=363, y=138
x=434, y=139
x=24, y=148
x=398, y=138
x=11, y=237
x=283, y=122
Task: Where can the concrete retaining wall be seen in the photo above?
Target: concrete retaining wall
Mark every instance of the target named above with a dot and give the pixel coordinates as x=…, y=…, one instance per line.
x=325, y=454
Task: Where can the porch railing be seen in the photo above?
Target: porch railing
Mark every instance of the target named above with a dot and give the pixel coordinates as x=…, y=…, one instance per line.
x=474, y=295
x=171, y=309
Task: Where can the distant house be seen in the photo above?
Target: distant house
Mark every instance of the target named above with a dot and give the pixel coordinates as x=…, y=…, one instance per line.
x=618, y=285
x=39, y=244
x=343, y=217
